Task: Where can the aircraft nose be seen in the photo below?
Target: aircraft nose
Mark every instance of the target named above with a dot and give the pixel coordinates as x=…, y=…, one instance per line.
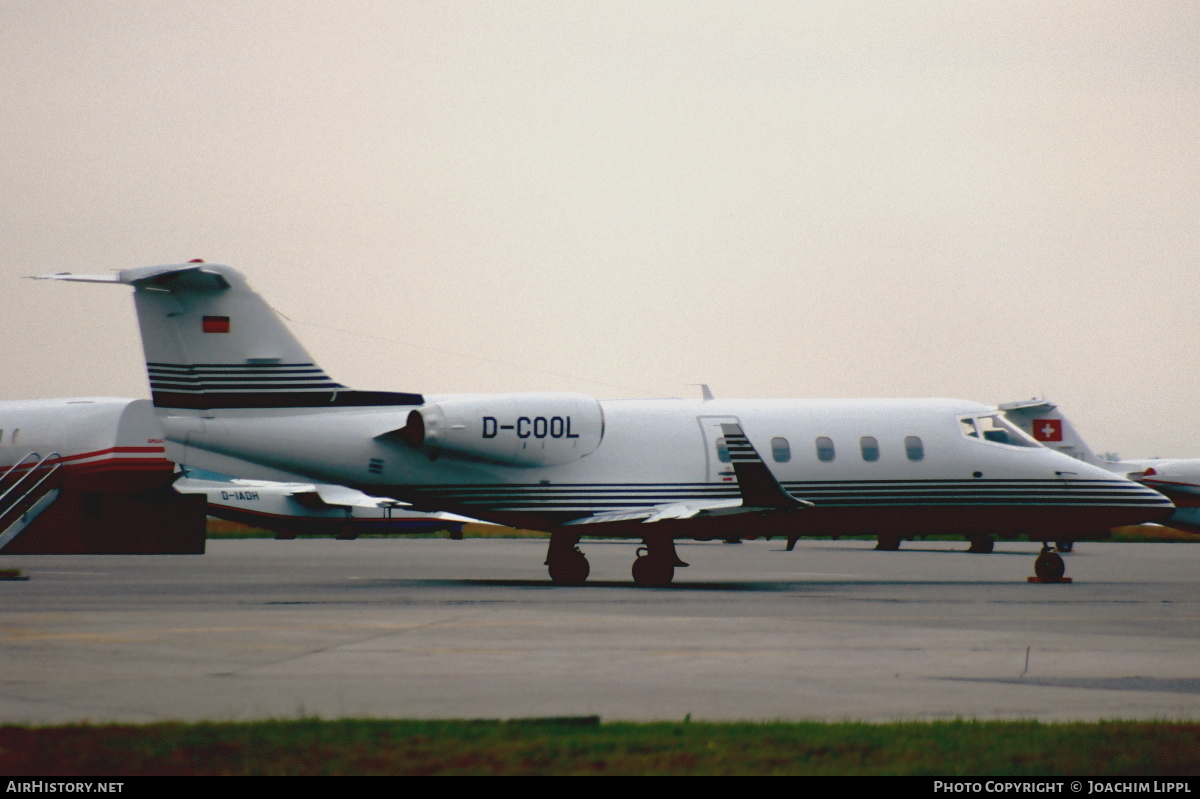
x=1127, y=501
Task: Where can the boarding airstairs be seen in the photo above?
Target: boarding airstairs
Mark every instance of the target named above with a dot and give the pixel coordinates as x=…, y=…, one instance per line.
x=25, y=491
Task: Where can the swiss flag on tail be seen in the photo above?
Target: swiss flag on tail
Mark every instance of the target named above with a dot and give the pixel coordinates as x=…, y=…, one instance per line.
x=1047, y=429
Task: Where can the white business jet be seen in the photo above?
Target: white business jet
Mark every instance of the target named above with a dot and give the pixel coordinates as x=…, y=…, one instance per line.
x=236, y=393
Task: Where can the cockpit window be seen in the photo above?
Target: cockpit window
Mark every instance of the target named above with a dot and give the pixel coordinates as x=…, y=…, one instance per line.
x=996, y=429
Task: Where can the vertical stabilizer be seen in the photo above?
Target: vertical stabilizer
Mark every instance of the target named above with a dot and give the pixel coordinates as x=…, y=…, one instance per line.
x=1044, y=421
x=211, y=342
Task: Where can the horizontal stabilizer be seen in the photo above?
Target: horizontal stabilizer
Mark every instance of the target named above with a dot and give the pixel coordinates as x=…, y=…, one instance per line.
x=1027, y=405
x=168, y=277
x=78, y=278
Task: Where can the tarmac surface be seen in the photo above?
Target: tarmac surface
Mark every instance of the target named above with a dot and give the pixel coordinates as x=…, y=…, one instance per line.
x=433, y=628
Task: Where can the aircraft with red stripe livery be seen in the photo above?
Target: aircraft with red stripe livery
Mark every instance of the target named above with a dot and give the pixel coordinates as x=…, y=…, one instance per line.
x=1176, y=478
x=90, y=475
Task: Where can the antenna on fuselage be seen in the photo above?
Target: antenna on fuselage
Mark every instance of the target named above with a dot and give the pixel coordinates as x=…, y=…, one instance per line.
x=705, y=392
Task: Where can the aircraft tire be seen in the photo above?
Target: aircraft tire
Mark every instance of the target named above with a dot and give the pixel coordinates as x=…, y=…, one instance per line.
x=572, y=570
x=654, y=572
x=1049, y=566
x=1064, y=546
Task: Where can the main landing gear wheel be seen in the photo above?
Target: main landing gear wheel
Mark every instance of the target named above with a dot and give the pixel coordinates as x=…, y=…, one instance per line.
x=567, y=565
x=656, y=563
x=1049, y=567
x=982, y=544
x=1064, y=546
x=655, y=572
x=888, y=543
x=570, y=570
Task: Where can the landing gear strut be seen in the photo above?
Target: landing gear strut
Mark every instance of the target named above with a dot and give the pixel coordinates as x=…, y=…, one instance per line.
x=656, y=562
x=568, y=566
x=982, y=544
x=1049, y=567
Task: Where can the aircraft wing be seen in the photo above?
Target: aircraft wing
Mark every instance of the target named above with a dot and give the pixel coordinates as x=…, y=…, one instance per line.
x=658, y=513
x=761, y=492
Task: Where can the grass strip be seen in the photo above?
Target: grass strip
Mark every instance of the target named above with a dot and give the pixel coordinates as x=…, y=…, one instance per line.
x=585, y=746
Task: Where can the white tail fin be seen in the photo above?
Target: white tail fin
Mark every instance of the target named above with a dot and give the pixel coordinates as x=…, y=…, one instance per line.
x=211, y=342
x=1044, y=421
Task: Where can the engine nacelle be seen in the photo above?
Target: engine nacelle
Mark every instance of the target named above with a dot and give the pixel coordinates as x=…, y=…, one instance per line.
x=510, y=429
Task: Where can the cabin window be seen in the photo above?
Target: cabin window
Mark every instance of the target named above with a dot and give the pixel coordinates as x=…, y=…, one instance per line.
x=722, y=451
x=825, y=448
x=1, y=436
x=16, y=433
x=781, y=451
x=914, y=448
x=870, y=448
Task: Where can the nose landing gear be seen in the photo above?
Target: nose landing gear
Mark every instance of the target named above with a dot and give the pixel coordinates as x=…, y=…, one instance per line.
x=887, y=542
x=1049, y=567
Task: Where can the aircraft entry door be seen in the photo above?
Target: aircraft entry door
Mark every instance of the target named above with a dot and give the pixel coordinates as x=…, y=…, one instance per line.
x=720, y=469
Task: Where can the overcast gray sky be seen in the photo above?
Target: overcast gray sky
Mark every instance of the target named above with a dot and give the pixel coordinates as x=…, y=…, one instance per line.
x=989, y=201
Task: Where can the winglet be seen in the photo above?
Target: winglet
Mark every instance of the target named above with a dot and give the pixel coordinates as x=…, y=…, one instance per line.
x=759, y=487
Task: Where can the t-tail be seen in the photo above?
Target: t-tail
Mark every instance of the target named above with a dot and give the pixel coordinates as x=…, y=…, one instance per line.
x=1044, y=421
x=212, y=343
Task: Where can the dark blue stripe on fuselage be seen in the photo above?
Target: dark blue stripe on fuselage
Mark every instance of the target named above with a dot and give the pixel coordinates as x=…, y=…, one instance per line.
x=934, y=493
